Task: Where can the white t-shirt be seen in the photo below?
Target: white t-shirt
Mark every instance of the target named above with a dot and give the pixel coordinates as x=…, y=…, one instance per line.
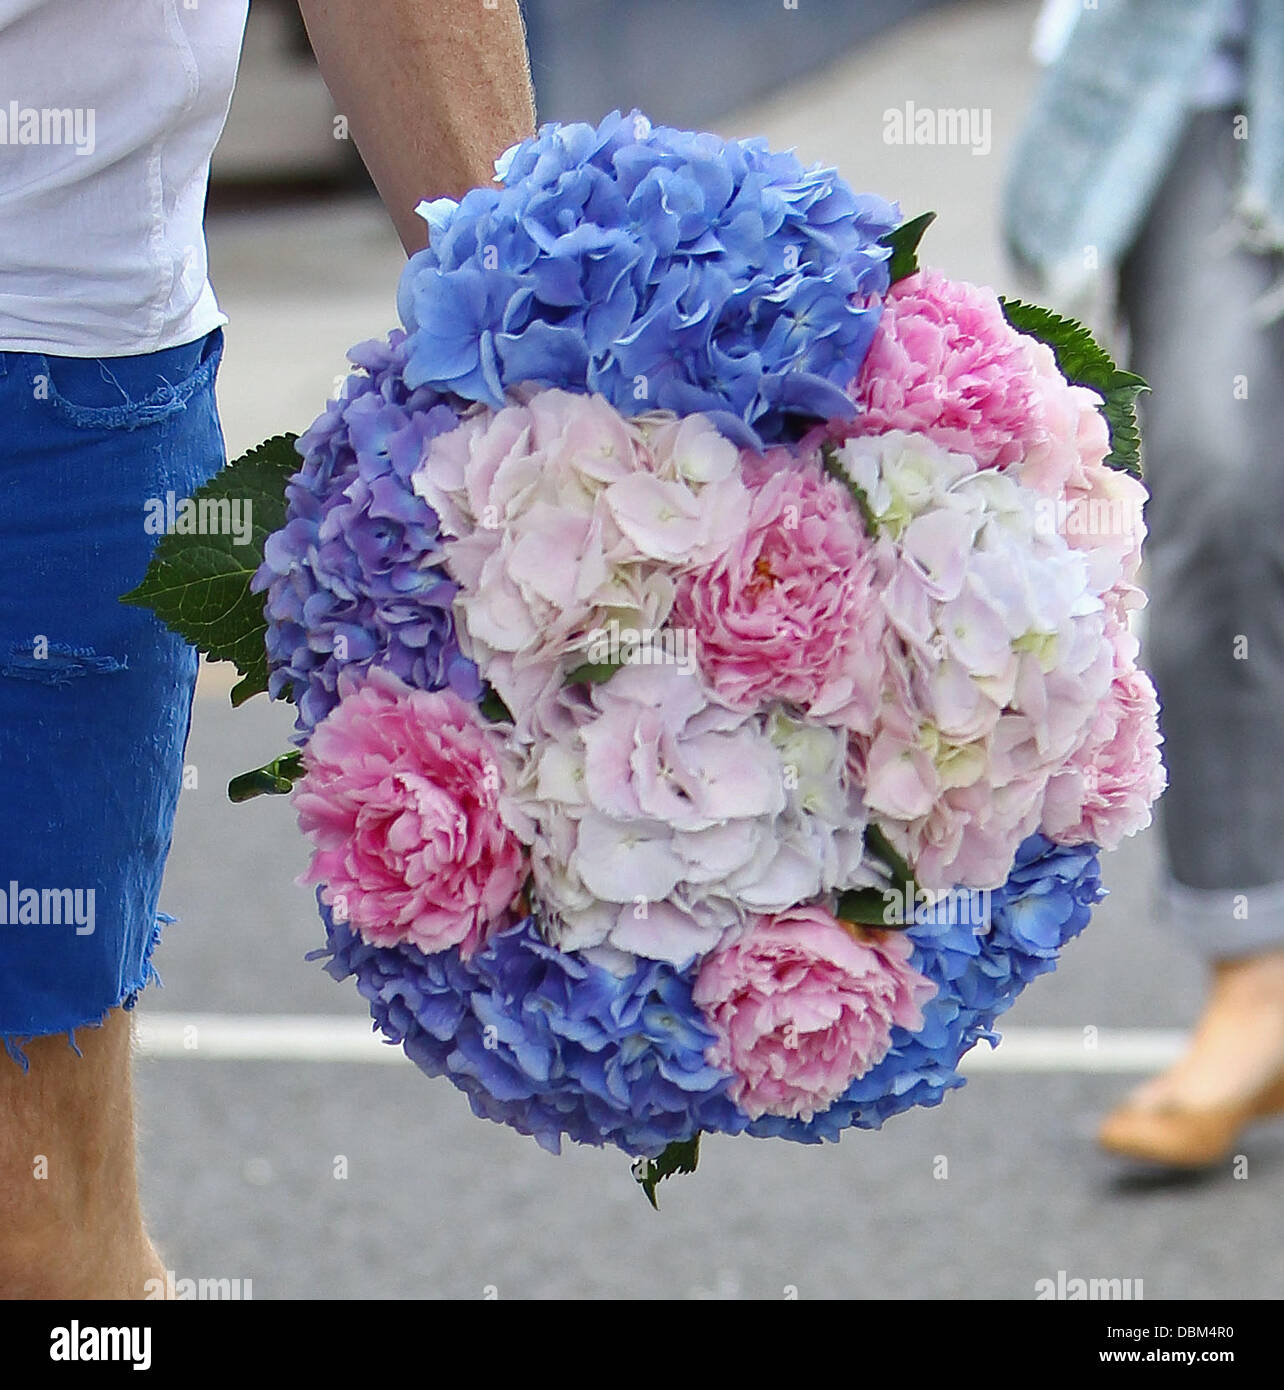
x=109, y=112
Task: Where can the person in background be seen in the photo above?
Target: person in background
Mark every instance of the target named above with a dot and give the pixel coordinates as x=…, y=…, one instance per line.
x=1153, y=164
x=110, y=338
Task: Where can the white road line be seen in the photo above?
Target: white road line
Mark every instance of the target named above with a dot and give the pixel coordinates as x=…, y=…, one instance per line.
x=1078, y=1049
x=327, y=1038
x=261, y=1038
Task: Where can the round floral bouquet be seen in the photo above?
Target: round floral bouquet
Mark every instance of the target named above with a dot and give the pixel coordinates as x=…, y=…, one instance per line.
x=709, y=634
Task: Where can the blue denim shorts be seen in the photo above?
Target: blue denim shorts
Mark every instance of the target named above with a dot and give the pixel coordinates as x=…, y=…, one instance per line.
x=95, y=696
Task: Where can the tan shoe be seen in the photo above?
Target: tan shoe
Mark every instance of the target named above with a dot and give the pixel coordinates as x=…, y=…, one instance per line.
x=1178, y=1136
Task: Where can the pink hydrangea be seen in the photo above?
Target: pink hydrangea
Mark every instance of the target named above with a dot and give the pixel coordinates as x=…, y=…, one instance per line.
x=402, y=798
x=662, y=820
x=995, y=660
x=790, y=611
x=1105, y=791
x=802, y=1007
x=1102, y=515
x=1066, y=433
x=561, y=515
x=946, y=363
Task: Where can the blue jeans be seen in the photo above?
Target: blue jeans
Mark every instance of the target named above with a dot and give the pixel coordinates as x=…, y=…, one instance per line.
x=95, y=695
x=1214, y=454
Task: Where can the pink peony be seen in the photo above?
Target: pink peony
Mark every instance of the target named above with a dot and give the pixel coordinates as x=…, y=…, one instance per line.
x=1106, y=789
x=946, y=363
x=790, y=611
x=402, y=798
x=802, y=1008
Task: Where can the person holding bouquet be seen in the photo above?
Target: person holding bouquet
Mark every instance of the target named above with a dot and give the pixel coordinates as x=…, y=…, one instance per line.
x=110, y=339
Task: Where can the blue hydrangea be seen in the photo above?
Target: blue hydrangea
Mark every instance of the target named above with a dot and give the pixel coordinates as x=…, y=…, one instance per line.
x=553, y=1045
x=545, y=1041
x=661, y=268
x=350, y=578
x=1045, y=902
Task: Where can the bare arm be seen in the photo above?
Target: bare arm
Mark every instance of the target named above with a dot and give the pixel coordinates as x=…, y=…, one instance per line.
x=433, y=91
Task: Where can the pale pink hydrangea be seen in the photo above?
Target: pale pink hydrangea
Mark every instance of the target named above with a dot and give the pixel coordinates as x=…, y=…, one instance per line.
x=789, y=611
x=563, y=515
x=1102, y=515
x=802, y=1007
x=1105, y=792
x=1066, y=434
x=662, y=819
x=403, y=798
x=995, y=662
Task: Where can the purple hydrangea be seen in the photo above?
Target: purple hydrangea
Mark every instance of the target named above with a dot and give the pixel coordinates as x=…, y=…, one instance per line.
x=351, y=578
x=1045, y=902
x=545, y=1041
x=661, y=268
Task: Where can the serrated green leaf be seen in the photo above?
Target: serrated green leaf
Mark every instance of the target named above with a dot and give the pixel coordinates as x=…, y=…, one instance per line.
x=904, y=241
x=1082, y=360
x=1120, y=411
x=272, y=779
x=199, y=585
x=681, y=1156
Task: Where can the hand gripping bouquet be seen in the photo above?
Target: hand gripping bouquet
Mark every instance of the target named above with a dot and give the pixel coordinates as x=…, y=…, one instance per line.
x=709, y=634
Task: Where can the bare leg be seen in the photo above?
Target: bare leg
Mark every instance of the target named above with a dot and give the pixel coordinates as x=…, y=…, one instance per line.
x=70, y=1221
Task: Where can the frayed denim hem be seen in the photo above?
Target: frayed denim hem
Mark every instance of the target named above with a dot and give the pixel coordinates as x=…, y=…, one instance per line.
x=14, y=1043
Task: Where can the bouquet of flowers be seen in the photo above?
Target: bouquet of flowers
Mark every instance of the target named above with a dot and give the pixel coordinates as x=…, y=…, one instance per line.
x=709, y=634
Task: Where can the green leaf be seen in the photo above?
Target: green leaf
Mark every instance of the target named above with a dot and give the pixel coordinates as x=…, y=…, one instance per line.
x=592, y=672
x=867, y=907
x=904, y=242
x=272, y=779
x=680, y=1157
x=878, y=842
x=200, y=585
x=862, y=907
x=493, y=708
x=1082, y=360
x=829, y=459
